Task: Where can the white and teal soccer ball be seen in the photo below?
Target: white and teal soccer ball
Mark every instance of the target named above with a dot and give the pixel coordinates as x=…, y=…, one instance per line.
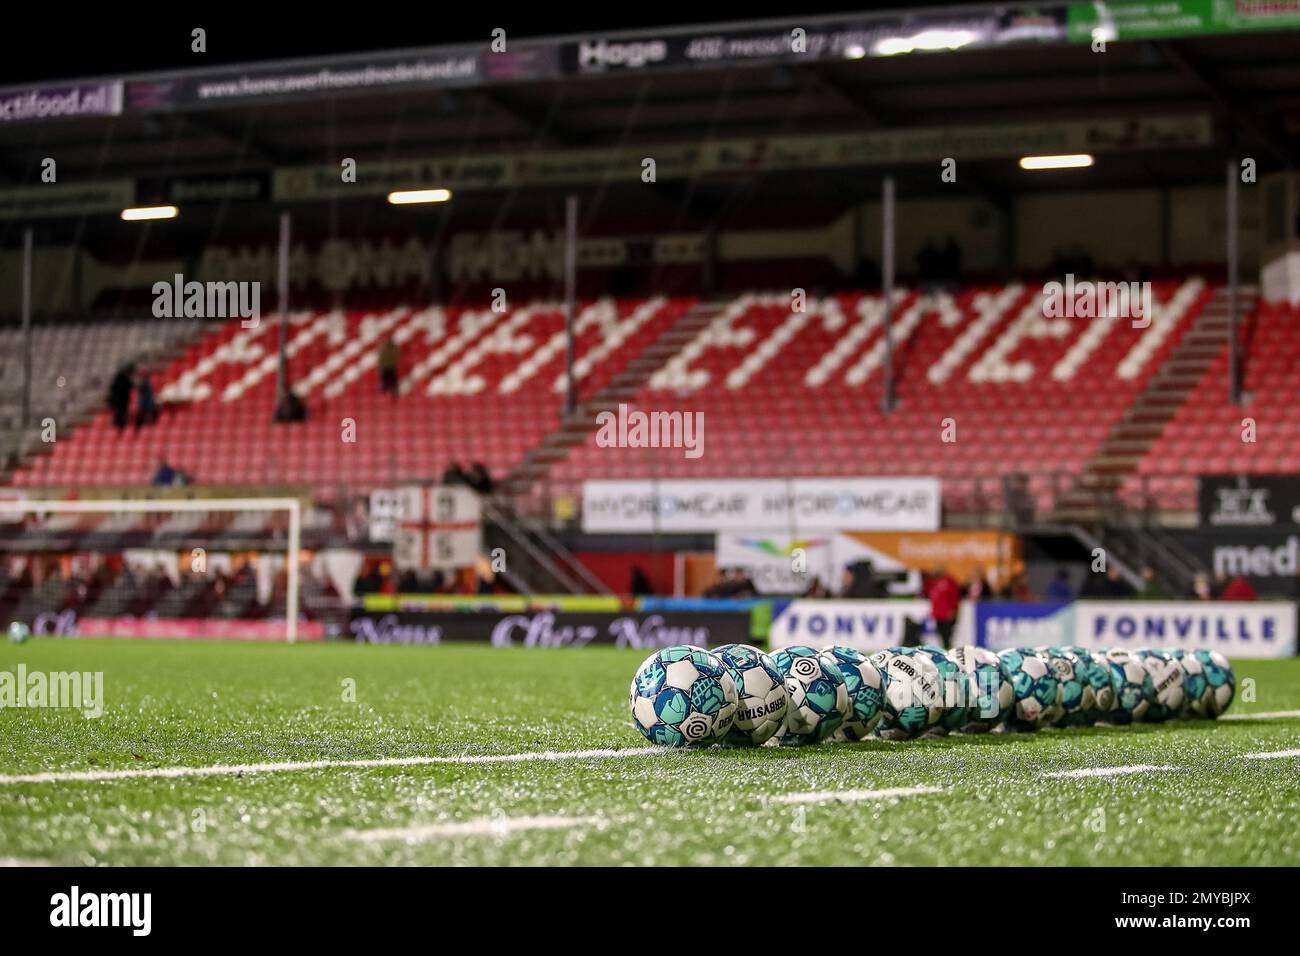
x=761, y=693
x=819, y=697
x=1076, y=699
x=993, y=695
x=866, y=690
x=1034, y=689
x=913, y=699
x=1097, y=672
x=1134, y=690
x=19, y=632
x=683, y=696
x=954, y=689
x=1167, y=678
x=1208, y=684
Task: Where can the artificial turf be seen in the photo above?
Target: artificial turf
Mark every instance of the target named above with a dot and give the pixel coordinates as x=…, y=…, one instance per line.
x=198, y=704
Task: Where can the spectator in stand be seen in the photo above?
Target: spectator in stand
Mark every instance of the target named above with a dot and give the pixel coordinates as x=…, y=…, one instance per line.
x=479, y=478
x=639, y=583
x=1152, y=589
x=1238, y=589
x=166, y=475
x=290, y=408
x=1115, y=586
x=1059, y=589
x=817, y=589
x=390, y=360
x=455, y=475
x=1201, y=590
x=945, y=599
x=146, y=404
x=119, y=395
x=860, y=581
x=976, y=588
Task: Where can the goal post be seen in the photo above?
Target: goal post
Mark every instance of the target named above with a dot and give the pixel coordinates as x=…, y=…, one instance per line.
x=16, y=509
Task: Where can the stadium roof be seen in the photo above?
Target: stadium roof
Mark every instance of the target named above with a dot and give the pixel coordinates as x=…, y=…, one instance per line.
x=1029, y=67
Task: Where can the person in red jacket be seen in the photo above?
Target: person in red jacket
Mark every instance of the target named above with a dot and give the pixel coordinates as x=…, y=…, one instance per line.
x=945, y=598
x=1238, y=589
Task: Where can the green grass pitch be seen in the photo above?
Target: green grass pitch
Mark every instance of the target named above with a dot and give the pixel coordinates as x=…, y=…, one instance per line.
x=191, y=704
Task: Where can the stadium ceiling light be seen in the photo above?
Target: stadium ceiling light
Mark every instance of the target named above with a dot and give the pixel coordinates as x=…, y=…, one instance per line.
x=141, y=213
x=927, y=40
x=855, y=52
x=409, y=196
x=1069, y=161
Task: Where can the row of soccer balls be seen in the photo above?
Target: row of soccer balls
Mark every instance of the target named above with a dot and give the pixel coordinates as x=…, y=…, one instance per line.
x=736, y=695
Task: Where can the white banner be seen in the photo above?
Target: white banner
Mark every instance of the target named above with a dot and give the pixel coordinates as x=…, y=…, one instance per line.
x=769, y=561
x=429, y=527
x=794, y=506
x=1235, y=628
x=866, y=625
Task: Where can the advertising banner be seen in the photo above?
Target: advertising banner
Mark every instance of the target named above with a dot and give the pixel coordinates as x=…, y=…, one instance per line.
x=1147, y=20
x=534, y=628
x=1267, y=557
x=866, y=625
x=1235, y=628
x=20, y=104
x=361, y=73
x=195, y=628
x=59, y=199
x=824, y=39
x=432, y=527
x=748, y=155
x=1249, y=501
x=769, y=558
x=800, y=504
x=1003, y=624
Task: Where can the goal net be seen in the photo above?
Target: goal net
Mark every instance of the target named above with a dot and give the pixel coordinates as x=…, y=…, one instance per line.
x=157, y=567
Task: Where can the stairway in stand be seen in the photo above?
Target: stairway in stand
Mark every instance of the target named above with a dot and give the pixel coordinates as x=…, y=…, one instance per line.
x=524, y=485
x=1093, y=493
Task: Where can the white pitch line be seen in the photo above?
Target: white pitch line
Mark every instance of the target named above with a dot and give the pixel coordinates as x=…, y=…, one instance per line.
x=852, y=796
x=480, y=826
x=1262, y=715
x=161, y=773
x=1273, y=755
x=1104, y=771
x=9, y=861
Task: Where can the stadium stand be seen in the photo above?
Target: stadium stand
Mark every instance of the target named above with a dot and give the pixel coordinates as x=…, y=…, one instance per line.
x=72, y=363
x=1205, y=434
x=476, y=385
x=1026, y=394
x=1049, y=399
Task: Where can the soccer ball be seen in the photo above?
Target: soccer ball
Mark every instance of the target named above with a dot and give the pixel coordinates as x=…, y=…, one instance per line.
x=913, y=701
x=866, y=689
x=683, y=696
x=819, y=697
x=1097, y=672
x=1167, y=678
x=761, y=692
x=1034, y=689
x=1076, y=699
x=955, y=691
x=992, y=694
x=1134, y=690
x=1209, y=684
x=19, y=632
